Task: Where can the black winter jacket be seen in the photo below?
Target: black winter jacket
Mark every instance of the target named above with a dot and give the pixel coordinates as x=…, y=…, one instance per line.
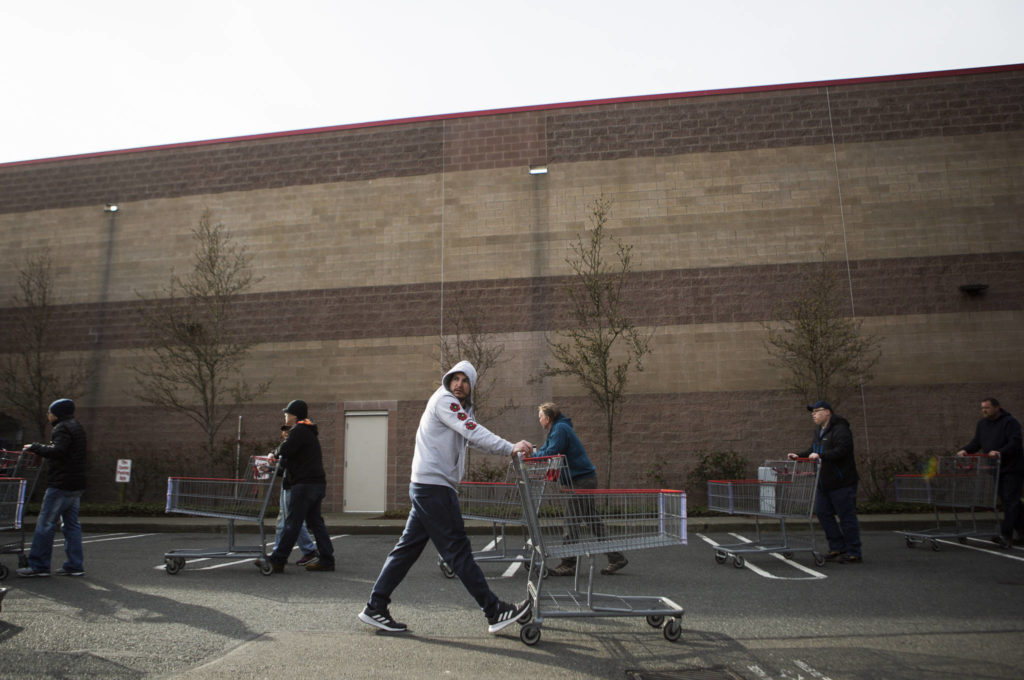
x=835, y=447
x=301, y=457
x=1003, y=435
x=66, y=453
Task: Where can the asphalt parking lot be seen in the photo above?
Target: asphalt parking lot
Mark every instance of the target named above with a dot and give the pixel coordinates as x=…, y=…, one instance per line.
x=903, y=613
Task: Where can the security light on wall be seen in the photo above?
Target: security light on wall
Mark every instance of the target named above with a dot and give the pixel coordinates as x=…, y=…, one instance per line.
x=538, y=169
x=111, y=208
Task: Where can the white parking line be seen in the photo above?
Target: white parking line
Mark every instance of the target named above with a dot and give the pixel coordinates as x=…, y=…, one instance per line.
x=761, y=572
x=191, y=561
x=991, y=551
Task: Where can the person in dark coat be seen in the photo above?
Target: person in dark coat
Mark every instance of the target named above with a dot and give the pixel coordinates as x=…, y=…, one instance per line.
x=998, y=434
x=66, y=456
x=302, y=459
x=836, y=495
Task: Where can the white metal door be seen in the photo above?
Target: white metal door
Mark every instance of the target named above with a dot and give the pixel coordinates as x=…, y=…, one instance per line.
x=366, y=449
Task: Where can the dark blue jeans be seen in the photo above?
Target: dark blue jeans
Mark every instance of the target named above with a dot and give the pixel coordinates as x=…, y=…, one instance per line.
x=843, y=536
x=1010, y=486
x=304, y=502
x=57, y=505
x=435, y=516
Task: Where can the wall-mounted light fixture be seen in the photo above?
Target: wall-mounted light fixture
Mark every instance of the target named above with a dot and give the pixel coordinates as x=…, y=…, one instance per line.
x=538, y=169
x=111, y=208
x=974, y=288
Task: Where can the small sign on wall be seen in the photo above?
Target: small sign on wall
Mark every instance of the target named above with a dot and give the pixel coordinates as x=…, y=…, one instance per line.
x=124, y=470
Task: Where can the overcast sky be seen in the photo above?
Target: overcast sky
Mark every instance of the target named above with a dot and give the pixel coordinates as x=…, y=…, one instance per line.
x=82, y=76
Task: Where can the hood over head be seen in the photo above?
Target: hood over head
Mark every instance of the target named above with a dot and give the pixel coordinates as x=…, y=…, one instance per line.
x=462, y=367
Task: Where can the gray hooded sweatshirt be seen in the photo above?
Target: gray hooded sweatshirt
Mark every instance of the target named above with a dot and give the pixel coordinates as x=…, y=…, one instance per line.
x=446, y=430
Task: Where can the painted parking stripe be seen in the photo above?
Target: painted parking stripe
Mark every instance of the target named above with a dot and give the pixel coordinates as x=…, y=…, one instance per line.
x=217, y=565
x=761, y=572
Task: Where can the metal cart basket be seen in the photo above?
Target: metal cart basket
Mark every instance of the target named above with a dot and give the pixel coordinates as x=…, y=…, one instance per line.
x=19, y=473
x=500, y=504
x=783, y=490
x=952, y=483
x=243, y=500
x=585, y=523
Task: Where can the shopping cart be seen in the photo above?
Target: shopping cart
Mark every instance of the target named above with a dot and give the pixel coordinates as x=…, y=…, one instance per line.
x=784, y=489
x=500, y=504
x=952, y=483
x=19, y=473
x=234, y=500
x=584, y=523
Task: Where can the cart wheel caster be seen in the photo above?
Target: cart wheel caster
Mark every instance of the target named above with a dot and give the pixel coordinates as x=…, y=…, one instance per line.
x=673, y=630
x=910, y=543
x=3, y=571
x=22, y=561
x=445, y=569
x=541, y=572
x=738, y=562
x=172, y=565
x=720, y=557
x=788, y=555
x=526, y=618
x=935, y=546
x=819, y=560
x=530, y=634
x=655, y=620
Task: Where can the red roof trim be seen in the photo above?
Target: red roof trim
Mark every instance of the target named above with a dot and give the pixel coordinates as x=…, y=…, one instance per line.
x=539, y=107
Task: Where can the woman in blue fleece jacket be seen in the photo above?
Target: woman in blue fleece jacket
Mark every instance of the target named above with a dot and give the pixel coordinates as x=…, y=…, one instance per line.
x=562, y=440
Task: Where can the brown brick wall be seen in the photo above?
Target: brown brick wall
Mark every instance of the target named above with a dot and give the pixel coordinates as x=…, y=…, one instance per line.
x=861, y=112
x=662, y=298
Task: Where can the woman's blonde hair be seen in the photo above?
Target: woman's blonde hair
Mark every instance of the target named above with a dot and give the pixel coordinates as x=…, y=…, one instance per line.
x=550, y=410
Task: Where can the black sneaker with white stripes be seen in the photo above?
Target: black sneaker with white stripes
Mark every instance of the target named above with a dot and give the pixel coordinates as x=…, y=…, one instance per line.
x=381, y=618
x=507, y=614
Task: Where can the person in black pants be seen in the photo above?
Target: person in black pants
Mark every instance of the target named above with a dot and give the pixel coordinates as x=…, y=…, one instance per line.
x=998, y=434
x=304, y=477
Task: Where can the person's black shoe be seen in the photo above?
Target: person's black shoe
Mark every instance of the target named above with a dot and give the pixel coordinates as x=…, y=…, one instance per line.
x=506, y=615
x=850, y=559
x=833, y=555
x=615, y=566
x=381, y=618
x=306, y=559
x=319, y=565
x=263, y=562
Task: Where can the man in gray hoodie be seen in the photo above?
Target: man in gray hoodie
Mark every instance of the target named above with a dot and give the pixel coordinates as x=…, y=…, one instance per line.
x=446, y=430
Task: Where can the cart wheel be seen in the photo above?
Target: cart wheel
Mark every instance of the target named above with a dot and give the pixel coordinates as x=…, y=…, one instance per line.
x=526, y=618
x=963, y=540
x=445, y=569
x=935, y=545
x=530, y=634
x=655, y=620
x=4, y=571
x=819, y=559
x=910, y=543
x=22, y=561
x=673, y=630
x=738, y=561
x=172, y=565
x=788, y=555
x=720, y=557
x=266, y=568
x=543, y=572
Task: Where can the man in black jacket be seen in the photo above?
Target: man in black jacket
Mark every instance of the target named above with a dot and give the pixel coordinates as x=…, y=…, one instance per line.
x=836, y=495
x=302, y=460
x=66, y=453
x=998, y=434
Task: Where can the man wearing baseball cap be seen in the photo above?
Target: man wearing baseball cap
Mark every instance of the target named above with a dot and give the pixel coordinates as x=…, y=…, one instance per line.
x=836, y=495
x=66, y=453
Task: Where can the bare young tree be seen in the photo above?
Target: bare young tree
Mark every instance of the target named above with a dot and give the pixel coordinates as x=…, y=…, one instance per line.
x=826, y=354
x=197, y=352
x=28, y=372
x=600, y=344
